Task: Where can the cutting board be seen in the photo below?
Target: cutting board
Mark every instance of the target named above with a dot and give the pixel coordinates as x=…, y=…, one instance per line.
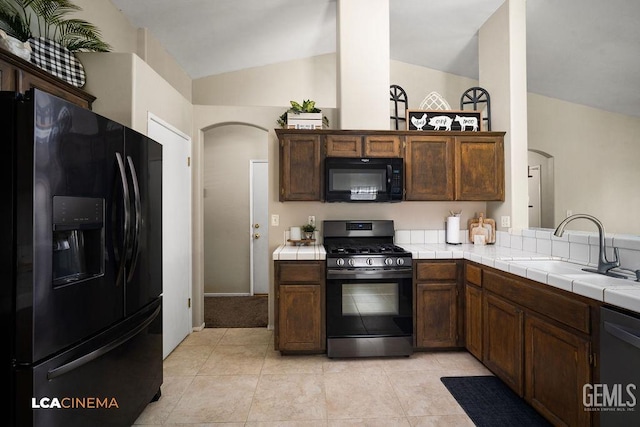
x=482, y=226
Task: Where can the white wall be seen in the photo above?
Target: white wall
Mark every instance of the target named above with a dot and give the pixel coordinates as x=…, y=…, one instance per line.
x=272, y=85
x=596, y=161
x=125, y=38
x=363, y=64
x=502, y=60
x=127, y=88
x=418, y=82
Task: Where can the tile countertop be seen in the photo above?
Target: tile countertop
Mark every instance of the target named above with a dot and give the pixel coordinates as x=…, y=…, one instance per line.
x=624, y=293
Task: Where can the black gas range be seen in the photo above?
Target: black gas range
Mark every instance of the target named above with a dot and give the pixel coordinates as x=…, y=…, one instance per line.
x=363, y=244
x=369, y=290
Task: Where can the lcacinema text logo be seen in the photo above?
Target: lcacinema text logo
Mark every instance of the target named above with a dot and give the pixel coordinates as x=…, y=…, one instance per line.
x=74, y=403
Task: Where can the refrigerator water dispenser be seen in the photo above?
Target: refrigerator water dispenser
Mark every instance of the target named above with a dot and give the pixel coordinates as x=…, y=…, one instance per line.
x=78, y=239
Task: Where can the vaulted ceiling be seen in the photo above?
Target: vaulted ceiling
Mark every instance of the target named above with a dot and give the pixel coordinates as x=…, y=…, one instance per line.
x=581, y=51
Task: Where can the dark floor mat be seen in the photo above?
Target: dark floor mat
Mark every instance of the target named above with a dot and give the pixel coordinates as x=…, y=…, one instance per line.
x=490, y=402
x=236, y=312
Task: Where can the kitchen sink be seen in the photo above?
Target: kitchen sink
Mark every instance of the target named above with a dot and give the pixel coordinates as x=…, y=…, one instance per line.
x=552, y=266
x=565, y=268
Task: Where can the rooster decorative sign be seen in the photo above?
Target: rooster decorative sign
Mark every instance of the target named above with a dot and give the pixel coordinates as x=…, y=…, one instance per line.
x=447, y=120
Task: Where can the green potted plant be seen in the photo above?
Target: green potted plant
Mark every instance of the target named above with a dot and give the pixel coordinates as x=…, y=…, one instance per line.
x=48, y=28
x=308, y=230
x=303, y=116
x=28, y=19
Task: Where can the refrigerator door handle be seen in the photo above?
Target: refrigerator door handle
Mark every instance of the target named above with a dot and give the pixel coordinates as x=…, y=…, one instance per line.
x=138, y=213
x=83, y=360
x=127, y=216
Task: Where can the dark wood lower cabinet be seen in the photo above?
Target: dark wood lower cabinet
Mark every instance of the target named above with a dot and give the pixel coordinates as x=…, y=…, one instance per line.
x=557, y=367
x=503, y=337
x=299, y=323
x=439, y=317
x=539, y=341
x=437, y=304
x=300, y=307
x=473, y=320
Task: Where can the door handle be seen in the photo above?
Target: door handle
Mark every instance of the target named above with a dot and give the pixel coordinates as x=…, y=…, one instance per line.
x=256, y=225
x=256, y=236
x=135, y=248
x=126, y=201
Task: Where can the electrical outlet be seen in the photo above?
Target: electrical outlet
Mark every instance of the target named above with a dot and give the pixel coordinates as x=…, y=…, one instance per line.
x=505, y=221
x=275, y=220
x=312, y=220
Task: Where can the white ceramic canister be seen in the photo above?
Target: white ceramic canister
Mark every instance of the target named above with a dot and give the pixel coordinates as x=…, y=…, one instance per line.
x=295, y=233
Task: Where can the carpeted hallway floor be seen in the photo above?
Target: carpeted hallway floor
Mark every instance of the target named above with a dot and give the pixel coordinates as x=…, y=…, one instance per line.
x=236, y=312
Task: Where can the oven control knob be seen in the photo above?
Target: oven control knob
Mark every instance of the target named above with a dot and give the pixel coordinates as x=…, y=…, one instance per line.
x=369, y=261
x=339, y=262
x=388, y=261
x=400, y=261
x=352, y=262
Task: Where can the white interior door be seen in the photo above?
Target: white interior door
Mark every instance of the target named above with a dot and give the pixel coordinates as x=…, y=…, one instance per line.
x=176, y=232
x=534, y=196
x=259, y=226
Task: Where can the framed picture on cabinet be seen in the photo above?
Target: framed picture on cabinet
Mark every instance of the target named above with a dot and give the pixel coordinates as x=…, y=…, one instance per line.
x=448, y=120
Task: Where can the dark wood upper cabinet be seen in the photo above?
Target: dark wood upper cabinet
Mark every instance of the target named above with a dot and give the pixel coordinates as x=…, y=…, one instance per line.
x=479, y=168
x=354, y=145
x=344, y=145
x=382, y=146
x=19, y=75
x=438, y=165
x=300, y=167
x=429, y=167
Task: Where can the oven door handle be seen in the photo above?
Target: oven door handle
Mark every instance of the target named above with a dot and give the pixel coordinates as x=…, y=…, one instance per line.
x=370, y=274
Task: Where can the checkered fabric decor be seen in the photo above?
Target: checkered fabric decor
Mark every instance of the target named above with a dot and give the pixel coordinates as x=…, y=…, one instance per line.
x=57, y=60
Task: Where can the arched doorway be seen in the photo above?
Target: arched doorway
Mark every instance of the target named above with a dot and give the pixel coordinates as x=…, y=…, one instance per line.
x=229, y=152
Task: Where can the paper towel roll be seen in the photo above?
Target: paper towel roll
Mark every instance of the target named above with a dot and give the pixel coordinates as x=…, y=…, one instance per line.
x=294, y=233
x=453, y=229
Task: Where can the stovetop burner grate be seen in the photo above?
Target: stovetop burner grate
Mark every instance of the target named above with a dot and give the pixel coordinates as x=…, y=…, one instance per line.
x=364, y=249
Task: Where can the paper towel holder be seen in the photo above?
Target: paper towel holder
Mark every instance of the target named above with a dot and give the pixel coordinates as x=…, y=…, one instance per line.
x=452, y=232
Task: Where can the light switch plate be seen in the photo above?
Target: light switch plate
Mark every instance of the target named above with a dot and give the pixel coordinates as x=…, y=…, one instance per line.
x=275, y=220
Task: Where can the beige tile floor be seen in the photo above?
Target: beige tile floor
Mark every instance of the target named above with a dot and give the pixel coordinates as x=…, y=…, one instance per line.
x=234, y=377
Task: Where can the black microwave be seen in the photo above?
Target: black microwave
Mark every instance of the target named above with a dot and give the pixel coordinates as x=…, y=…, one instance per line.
x=355, y=179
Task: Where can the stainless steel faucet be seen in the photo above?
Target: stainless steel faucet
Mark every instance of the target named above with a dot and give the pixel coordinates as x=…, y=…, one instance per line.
x=604, y=265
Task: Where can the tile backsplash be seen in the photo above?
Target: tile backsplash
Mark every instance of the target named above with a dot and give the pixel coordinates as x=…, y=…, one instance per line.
x=575, y=246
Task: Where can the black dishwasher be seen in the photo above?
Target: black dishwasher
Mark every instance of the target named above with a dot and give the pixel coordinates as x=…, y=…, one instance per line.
x=616, y=397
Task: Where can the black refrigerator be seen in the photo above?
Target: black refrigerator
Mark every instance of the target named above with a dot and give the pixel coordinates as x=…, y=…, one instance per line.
x=81, y=257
